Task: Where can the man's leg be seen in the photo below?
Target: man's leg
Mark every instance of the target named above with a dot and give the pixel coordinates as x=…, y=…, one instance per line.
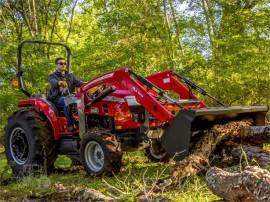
x=61, y=103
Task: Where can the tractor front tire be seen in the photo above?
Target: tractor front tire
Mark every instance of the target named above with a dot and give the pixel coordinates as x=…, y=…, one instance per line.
x=101, y=153
x=29, y=143
x=156, y=153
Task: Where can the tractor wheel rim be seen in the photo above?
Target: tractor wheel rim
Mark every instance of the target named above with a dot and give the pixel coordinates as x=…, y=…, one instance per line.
x=157, y=154
x=94, y=156
x=19, y=146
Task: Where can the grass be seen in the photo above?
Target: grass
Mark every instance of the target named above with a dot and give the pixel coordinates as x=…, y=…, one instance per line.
x=137, y=174
x=266, y=147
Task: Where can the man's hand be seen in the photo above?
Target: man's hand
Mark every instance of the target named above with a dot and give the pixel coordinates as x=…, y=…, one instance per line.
x=92, y=90
x=62, y=84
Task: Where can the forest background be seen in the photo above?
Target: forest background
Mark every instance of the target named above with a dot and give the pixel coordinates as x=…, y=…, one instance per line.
x=222, y=45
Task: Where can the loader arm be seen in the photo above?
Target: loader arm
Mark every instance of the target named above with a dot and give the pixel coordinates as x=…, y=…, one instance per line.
x=122, y=79
x=177, y=136
x=179, y=128
x=167, y=80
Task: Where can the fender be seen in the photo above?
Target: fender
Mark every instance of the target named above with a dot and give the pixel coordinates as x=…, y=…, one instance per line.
x=46, y=108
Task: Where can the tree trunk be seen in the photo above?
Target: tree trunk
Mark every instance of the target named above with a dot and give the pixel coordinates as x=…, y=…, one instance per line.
x=253, y=184
x=251, y=154
x=177, y=32
x=210, y=29
x=71, y=20
x=199, y=157
x=168, y=26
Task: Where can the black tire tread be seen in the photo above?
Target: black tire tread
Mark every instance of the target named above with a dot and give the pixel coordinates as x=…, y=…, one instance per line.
x=45, y=152
x=112, y=149
x=148, y=154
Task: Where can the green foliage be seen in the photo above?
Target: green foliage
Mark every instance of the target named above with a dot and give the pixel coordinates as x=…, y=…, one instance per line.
x=222, y=45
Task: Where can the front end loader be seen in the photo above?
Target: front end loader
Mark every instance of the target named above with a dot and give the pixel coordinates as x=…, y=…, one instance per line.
x=115, y=112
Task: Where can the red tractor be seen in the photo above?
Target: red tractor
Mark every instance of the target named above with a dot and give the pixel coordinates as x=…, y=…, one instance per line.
x=117, y=111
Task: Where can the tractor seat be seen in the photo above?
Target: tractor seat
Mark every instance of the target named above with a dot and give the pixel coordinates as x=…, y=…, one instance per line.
x=59, y=112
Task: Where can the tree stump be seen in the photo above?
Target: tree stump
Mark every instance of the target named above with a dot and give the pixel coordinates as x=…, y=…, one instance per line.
x=253, y=184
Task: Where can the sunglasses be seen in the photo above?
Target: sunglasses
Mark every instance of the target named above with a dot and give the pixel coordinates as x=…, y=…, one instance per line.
x=62, y=63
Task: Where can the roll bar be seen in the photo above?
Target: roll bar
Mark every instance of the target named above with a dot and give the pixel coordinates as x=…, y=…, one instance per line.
x=19, y=73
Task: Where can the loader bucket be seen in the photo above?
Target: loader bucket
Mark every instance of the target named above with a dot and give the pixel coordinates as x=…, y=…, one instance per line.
x=177, y=136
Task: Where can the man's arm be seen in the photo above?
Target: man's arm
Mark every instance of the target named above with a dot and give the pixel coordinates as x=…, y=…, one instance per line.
x=53, y=82
x=77, y=82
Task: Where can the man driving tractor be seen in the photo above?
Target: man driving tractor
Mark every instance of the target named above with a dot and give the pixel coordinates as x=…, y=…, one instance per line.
x=62, y=84
x=118, y=111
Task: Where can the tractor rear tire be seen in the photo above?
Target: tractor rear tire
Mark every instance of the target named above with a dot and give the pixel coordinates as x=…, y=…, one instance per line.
x=156, y=153
x=101, y=153
x=29, y=143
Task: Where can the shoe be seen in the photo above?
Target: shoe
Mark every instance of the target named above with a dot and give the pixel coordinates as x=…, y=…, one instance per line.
x=71, y=128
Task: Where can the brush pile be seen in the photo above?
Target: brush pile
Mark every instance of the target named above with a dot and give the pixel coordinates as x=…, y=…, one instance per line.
x=227, y=145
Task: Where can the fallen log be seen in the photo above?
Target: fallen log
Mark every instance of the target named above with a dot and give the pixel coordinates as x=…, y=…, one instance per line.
x=69, y=193
x=253, y=184
x=227, y=136
x=199, y=157
x=253, y=154
x=253, y=135
x=230, y=153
